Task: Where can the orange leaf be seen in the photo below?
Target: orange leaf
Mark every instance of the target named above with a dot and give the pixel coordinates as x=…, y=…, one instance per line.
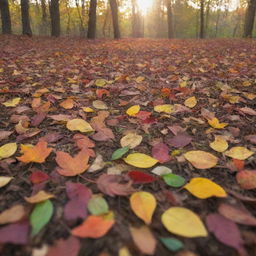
x=67, y=104
x=36, y=154
x=72, y=166
x=93, y=227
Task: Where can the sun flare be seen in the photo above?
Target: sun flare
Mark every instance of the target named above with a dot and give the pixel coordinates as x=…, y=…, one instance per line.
x=145, y=5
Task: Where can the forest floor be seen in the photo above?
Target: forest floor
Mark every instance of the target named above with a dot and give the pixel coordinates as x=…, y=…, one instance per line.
x=193, y=115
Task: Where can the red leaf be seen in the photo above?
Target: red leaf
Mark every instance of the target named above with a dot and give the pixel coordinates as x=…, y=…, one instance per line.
x=78, y=191
x=101, y=92
x=143, y=115
x=68, y=247
x=38, y=177
x=180, y=140
x=160, y=151
x=141, y=177
x=75, y=209
x=246, y=179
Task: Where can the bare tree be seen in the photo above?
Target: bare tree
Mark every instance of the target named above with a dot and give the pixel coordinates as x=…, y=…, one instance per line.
x=55, y=17
x=5, y=17
x=170, y=18
x=26, y=29
x=249, y=18
x=114, y=11
x=91, y=33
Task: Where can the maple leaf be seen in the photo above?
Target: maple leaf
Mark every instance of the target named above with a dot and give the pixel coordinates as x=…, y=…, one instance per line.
x=36, y=154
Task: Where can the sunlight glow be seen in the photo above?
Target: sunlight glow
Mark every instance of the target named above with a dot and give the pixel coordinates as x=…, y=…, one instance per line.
x=145, y=5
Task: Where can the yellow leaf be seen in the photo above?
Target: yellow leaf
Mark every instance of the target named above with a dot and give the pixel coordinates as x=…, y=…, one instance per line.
x=124, y=252
x=139, y=79
x=79, y=125
x=100, y=82
x=7, y=150
x=183, y=84
x=191, y=102
x=240, y=153
x=39, y=197
x=201, y=159
x=140, y=160
x=99, y=104
x=131, y=140
x=166, y=108
x=4, y=180
x=183, y=222
x=219, y=144
x=204, y=188
x=215, y=123
x=249, y=96
x=12, y=103
x=132, y=111
x=143, y=205
x=247, y=83
x=87, y=109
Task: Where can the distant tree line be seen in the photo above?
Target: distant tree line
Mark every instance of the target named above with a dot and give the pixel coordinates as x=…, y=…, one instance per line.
x=161, y=20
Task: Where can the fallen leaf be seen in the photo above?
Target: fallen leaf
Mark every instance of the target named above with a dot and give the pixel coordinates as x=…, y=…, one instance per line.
x=172, y=244
x=36, y=154
x=143, y=205
x=100, y=82
x=174, y=180
x=98, y=164
x=204, y=188
x=160, y=151
x=246, y=179
x=5, y=134
x=38, y=177
x=72, y=166
x=97, y=205
x=201, y=159
x=144, y=239
x=12, y=102
x=132, y=111
x=215, y=123
x=240, y=153
x=40, y=216
x=67, y=104
x=248, y=111
x=39, y=197
x=8, y=150
x=219, y=144
x=4, y=180
x=141, y=177
x=117, y=154
x=166, y=108
x=161, y=170
x=13, y=214
x=180, y=140
x=131, y=140
x=98, y=104
x=240, y=216
x=225, y=230
x=183, y=222
x=67, y=247
x=140, y=160
x=190, y=102
x=79, y=125
x=114, y=185
x=93, y=227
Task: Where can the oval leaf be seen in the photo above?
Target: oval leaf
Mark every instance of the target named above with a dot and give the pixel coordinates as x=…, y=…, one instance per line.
x=174, y=180
x=79, y=125
x=140, y=160
x=240, y=153
x=7, y=150
x=119, y=153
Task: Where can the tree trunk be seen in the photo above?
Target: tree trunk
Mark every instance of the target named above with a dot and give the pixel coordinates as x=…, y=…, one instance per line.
x=249, y=18
x=207, y=17
x=137, y=21
x=114, y=11
x=169, y=19
x=91, y=34
x=55, y=17
x=26, y=29
x=201, y=35
x=5, y=17
x=43, y=18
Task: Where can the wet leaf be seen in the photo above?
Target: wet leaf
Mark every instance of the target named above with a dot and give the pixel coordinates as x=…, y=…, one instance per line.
x=201, y=159
x=204, y=188
x=140, y=160
x=40, y=216
x=183, y=222
x=143, y=205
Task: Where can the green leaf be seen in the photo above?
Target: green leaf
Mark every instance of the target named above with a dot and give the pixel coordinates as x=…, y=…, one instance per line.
x=40, y=216
x=119, y=153
x=97, y=205
x=174, y=180
x=172, y=244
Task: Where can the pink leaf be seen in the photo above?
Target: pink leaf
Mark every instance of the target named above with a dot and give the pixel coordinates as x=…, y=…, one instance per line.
x=161, y=152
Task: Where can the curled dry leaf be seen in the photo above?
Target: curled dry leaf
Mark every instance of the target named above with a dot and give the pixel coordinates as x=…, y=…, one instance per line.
x=13, y=214
x=115, y=185
x=39, y=197
x=143, y=205
x=240, y=153
x=131, y=140
x=36, y=154
x=72, y=166
x=201, y=159
x=140, y=160
x=183, y=222
x=204, y=188
x=94, y=227
x=98, y=164
x=144, y=239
